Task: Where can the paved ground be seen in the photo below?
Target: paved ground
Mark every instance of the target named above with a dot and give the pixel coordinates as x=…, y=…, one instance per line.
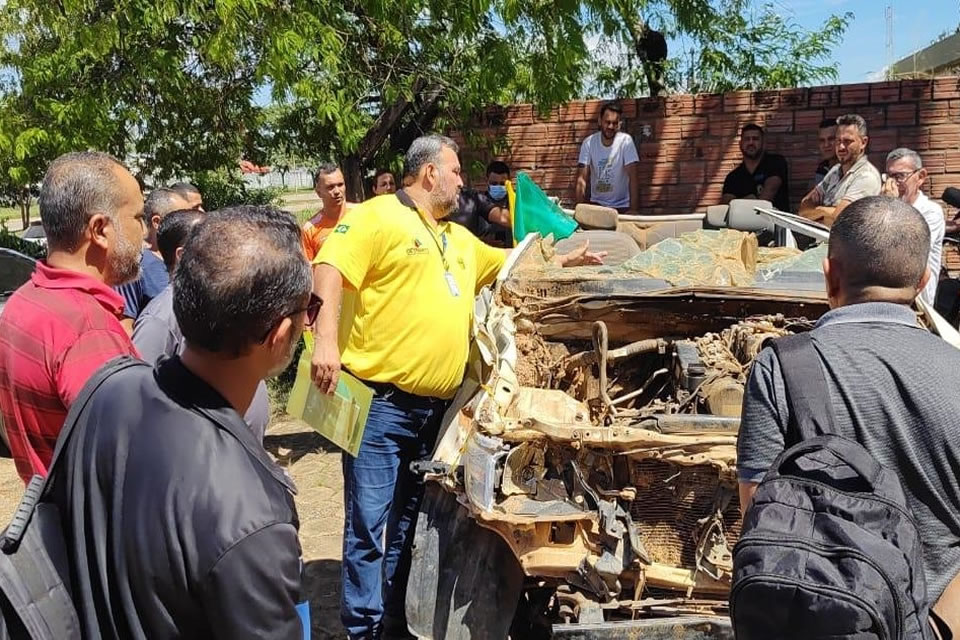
x=315, y=467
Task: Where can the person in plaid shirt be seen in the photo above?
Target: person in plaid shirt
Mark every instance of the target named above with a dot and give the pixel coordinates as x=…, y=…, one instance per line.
x=64, y=324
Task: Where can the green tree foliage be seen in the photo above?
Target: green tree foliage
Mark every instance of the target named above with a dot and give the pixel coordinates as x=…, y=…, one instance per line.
x=169, y=85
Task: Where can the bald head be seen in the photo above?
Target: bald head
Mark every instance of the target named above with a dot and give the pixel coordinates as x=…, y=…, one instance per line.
x=75, y=187
x=878, y=251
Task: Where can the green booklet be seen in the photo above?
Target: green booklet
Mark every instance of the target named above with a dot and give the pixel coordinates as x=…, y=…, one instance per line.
x=341, y=417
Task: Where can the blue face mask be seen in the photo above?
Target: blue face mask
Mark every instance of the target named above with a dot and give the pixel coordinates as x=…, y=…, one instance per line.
x=497, y=191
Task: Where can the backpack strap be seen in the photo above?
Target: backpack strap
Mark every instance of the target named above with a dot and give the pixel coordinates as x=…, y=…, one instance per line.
x=808, y=396
x=38, y=485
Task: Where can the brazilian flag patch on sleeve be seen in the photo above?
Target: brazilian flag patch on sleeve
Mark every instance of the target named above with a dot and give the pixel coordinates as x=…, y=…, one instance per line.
x=341, y=228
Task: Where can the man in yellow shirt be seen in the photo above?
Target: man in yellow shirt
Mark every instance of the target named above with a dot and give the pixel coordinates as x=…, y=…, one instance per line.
x=407, y=278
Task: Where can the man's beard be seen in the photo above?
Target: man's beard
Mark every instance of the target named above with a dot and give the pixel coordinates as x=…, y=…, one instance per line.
x=290, y=349
x=124, y=263
x=442, y=204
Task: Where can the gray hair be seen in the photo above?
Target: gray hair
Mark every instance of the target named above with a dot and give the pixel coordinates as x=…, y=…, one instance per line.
x=424, y=150
x=75, y=187
x=161, y=201
x=853, y=120
x=903, y=152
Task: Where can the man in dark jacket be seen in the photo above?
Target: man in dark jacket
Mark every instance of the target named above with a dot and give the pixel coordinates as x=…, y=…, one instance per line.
x=178, y=524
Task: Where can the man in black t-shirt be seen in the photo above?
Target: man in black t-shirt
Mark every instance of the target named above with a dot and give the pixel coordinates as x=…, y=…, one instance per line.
x=487, y=214
x=761, y=175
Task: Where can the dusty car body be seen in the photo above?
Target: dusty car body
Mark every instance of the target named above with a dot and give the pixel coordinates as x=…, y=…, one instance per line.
x=584, y=484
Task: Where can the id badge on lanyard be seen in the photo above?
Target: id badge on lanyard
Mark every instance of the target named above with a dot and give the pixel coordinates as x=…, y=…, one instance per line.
x=451, y=281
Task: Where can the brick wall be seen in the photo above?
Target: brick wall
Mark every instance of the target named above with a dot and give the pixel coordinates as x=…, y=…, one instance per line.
x=688, y=143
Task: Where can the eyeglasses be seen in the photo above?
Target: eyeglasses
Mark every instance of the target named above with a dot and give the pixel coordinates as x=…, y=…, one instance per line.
x=902, y=177
x=312, y=310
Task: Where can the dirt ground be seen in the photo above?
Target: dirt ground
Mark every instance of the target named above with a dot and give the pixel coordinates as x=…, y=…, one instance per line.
x=315, y=467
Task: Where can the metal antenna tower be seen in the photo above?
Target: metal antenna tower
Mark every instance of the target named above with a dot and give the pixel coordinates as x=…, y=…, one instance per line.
x=889, y=17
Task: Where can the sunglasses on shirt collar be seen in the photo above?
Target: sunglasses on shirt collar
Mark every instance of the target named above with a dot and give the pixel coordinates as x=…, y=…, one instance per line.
x=312, y=310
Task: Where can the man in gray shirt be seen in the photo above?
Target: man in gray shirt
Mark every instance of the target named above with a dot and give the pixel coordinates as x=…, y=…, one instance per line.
x=156, y=332
x=890, y=380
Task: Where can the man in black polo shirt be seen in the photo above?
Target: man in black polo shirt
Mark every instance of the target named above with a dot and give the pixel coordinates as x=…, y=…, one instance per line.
x=178, y=523
x=891, y=382
x=761, y=175
x=487, y=214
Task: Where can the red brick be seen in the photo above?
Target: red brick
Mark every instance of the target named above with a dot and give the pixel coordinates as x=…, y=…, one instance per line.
x=914, y=137
x=824, y=96
x=563, y=155
x=561, y=178
x=629, y=109
x=591, y=108
x=944, y=88
x=807, y=120
x=944, y=136
x=684, y=197
x=882, y=140
x=710, y=151
x=667, y=129
x=940, y=182
x=737, y=101
x=693, y=126
x=530, y=134
x=876, y=116
x=570, y=112
x=708, y=103
x=852, y=94
x=521, y=156
x=711, y=194
x=679, y=105
x=934, y=161
x=519, y=114
x=692, y=173
x=916, y=90
x=779, y=122
x=794, y=98
x=660, y=151
x=934, y=112
x=583, y=129
x=902, y=114
x=952, y=161
x=546, y=115
x=651, y=107
x=658, y=173
x=766, y=100
x=641, y=131
x=559, y=133
x=883, y=92
x=723, y=125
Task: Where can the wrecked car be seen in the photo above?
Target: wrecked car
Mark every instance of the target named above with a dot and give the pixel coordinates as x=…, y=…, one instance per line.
x=584, y=482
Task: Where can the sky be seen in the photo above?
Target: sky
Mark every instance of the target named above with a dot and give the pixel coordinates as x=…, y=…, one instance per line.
x=862, y=55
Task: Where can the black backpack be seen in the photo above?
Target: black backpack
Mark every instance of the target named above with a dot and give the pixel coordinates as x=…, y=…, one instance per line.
x=829, y=548
x=35, y=601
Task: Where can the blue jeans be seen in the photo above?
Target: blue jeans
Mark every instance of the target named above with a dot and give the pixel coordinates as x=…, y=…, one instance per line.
x=379, y=490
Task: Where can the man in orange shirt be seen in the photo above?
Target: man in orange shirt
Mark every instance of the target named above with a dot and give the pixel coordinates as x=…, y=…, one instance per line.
x=329, y=184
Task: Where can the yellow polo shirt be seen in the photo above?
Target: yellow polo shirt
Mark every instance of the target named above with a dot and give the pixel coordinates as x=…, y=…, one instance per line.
x=402, y=321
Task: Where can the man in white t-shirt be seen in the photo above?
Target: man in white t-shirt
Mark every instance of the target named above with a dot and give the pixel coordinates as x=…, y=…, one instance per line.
x=608, y=164
x=905, y=176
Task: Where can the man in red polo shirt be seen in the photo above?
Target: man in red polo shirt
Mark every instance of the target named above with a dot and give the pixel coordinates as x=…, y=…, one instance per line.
x=60, y=327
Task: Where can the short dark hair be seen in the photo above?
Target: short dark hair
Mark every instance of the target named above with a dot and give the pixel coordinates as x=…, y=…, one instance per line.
x=750, y=126
x=242, y=271
x=75, y=187
x=184, y=189
x=886, y=240
x=175, y=228
x=853, y=120
x=160, y=202
x=325, y=169
x=614, y=106
x=498, y=166
x=828, y=123
x=381, y=172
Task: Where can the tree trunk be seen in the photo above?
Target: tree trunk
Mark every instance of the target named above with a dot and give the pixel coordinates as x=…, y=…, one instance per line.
x=352, y=167
x=24, y=202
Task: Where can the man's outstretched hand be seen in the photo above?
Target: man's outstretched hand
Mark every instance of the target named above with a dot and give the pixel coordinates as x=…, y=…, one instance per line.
x=580, y=257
